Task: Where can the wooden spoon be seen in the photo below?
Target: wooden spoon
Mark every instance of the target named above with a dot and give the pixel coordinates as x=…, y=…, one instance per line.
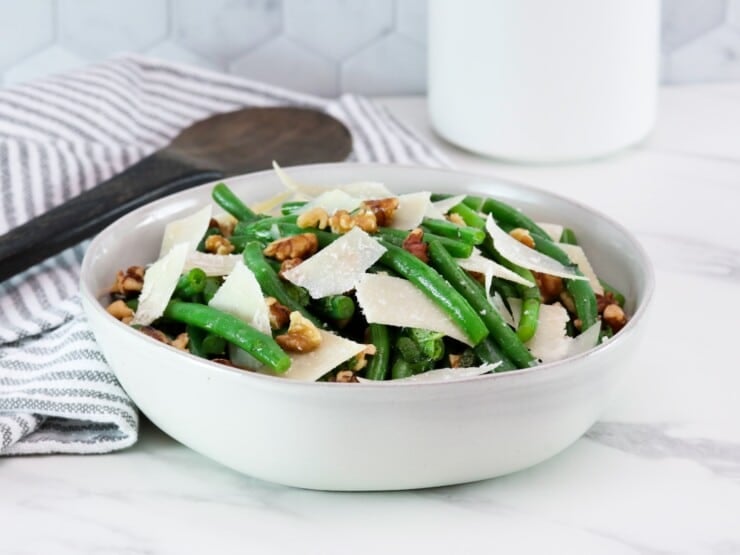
x=223, y=145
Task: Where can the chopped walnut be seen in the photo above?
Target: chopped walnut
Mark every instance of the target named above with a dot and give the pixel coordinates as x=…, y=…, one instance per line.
x=456, y=219
x=154, y=333
x=366, y=221
x=181, y=341
x=415, y=245
x=345, y=376
x=218, y=244
x=341, y=221
x=550, y=286
x=454, y=360
x=120, y=311
x=301, y=246
x=279, y=314
x=315, y=217
x=224, y=361
x=523, y=236
x=302, y=336
x=383, y=209
x=289, y=264
x=602, y=301
x=226, y=223
x=360, y=360
x=567, y=299
x=130, y=281
x=614, y=317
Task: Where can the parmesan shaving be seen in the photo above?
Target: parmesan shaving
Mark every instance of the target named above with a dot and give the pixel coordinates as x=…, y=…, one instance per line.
x=554, y=231
x=367, y=190
x=188, y=230
x=578, y=257
x=520, y=254
x=397, y=302
x=332, y=352
x=338, y=267
x=411, y=210
x=241, y=296
x=333, y=200
x=586, y=341
x=439, y=375
x=476, y=262
x=292, y=185
x=497, y=301
x=550, y=342
x=211, y=264
x=438, y=209
x=160, y=280
x=270, y=204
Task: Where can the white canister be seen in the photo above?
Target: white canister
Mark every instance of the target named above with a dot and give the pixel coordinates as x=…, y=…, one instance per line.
x=543, y=80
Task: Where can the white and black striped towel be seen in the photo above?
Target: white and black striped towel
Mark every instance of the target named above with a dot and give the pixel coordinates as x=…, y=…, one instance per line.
x=62, y=135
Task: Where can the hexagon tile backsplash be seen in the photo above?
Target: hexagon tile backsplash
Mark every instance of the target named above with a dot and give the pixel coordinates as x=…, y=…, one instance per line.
x=319, y=46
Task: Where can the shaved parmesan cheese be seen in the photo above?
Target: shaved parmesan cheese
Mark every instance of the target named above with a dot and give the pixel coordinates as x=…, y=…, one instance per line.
x=211, y=264
x=411, y=210
x=367, y=190
x=160, y=280
x=476, y=262
x=439, y=375
x=241, y=296
x=333, y=351
x=497, y=301
x=586, y=341
x=188, y=230
x=438, y=209
x=554, y=231
x=338, y=267
x=292, y=185
x=550, y=342
x=578, y=257
x=268, y=205
x=520, y=254
x=333, y=200
x=397, y=302
x=360, y=189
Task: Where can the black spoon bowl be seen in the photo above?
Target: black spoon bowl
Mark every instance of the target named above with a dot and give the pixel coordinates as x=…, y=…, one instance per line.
x=220, y=146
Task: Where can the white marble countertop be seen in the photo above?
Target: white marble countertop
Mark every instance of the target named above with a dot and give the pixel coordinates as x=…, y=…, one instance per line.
x=660, y=473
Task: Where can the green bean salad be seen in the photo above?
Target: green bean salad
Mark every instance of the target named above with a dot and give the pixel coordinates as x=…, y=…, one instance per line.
x=356, y=283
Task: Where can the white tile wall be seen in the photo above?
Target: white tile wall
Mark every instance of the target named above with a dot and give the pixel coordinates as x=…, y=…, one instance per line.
x=319, y=46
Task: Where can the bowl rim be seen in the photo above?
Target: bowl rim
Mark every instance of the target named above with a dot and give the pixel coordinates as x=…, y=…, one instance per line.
x=645, y=264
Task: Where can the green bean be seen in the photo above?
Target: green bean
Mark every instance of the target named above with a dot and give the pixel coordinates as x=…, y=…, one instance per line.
x=500, y=331
x=190, y=285
x=227, y=200
x=434, y=286
x=488, y=351
x=458, y=249
x=269, y=281
x=210, y=287
x=430, y=343
x=476, y=203
x=297, y=293
x=232, y=329
x=568, y=236
x=505, y=288
x=204, y=344
x=335, y=307
x=401, y=368
x=453, y=231
x=436, y=197
x=469, y=216
x=377, y=368
x=292, y=206
x=617, y=295
x=503, y=212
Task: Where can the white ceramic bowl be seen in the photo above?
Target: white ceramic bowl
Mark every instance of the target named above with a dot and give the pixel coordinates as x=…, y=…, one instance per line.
x=368, y=436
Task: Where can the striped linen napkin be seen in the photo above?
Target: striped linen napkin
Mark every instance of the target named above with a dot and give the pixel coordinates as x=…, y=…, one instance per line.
x=62, y=135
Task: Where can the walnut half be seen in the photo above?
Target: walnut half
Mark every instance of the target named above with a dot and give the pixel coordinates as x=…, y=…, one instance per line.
x=300, y=246
x=302, y=335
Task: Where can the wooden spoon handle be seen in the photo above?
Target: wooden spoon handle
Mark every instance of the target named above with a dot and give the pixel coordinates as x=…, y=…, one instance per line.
x=66, y=225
